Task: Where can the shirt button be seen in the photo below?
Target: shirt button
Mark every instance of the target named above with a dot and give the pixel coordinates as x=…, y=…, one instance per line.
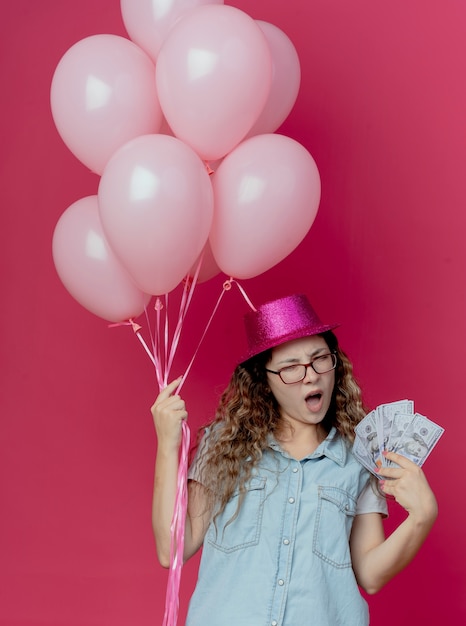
x=295, y=469
x=291, y=500
x=274, y=623
x=286, y=542
x=281, y=582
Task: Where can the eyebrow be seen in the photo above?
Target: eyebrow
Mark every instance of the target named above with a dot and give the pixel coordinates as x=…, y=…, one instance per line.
x=291, y=360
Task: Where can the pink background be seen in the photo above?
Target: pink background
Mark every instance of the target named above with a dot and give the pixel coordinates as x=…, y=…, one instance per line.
x=382, y=109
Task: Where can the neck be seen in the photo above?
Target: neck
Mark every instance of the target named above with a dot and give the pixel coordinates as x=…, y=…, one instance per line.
x=300, y=440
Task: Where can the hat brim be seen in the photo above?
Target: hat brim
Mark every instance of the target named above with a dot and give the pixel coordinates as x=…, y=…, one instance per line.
x=308, y=331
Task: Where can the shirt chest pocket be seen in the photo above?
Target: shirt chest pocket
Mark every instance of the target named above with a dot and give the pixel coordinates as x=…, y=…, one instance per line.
x=236, y=530
x=335, y=514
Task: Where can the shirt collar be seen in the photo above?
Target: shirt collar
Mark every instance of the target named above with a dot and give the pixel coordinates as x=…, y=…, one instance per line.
x=333, y=447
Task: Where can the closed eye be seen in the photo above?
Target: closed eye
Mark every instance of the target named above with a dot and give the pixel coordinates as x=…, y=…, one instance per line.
x=291, y=368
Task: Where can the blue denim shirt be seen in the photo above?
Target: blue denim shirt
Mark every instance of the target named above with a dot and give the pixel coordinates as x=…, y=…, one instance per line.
x=285, y=559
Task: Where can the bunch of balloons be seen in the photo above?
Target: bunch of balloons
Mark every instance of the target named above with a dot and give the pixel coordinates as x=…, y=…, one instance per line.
x=179, y=122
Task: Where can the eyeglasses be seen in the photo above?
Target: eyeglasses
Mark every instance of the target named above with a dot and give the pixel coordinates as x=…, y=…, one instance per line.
x=296, y=373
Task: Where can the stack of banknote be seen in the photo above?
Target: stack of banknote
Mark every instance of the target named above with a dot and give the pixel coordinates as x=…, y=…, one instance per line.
x=394, y=427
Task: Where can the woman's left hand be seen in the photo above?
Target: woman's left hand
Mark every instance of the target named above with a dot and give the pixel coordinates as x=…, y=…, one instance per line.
x=377, y=560
x=408, y=485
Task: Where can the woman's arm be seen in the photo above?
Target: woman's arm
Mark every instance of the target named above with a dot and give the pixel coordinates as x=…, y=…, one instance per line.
x=168, y=412
x=377, y=560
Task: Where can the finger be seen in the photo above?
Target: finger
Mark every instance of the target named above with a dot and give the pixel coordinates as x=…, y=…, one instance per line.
x=387, y=486
x=399, y=459
x=390, y=472
x=175, y=407
x=168, y=390
x=175, y=403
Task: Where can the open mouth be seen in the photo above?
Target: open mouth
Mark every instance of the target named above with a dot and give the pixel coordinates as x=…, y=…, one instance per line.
x=313, y=401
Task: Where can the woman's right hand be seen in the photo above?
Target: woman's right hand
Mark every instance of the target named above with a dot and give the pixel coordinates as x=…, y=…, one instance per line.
x=169, y=411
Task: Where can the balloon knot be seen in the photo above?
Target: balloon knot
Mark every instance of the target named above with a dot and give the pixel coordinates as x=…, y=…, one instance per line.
x=210, y=171
x=136, y=327
x=158, y=306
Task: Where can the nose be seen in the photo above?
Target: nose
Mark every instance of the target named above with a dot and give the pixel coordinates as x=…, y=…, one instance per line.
x=311, y=374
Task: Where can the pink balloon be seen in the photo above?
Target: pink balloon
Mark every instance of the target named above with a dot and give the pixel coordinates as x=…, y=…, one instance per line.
x=89, y=269
x=209, y=267
x=213, y=77
x=286, y=79
x=156, y=206
x=149, y=21
x=103, y=94
x=266, y=195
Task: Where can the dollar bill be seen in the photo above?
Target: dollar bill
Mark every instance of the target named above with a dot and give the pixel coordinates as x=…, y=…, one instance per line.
x=386, y=415
x=360, y=452
x=366, y=433
x=418, y=439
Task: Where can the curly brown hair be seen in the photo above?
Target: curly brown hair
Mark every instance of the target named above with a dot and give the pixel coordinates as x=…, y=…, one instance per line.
x=248, y=414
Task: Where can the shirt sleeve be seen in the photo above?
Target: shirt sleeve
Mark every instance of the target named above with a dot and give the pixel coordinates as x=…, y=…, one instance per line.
x=194, y=470
x=371, y=502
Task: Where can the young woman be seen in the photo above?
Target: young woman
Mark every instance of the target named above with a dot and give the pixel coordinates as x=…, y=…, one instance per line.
x=290, y=522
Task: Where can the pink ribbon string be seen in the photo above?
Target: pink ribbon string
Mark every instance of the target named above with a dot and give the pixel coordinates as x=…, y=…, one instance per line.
x=162, y=355
x=136, y=328
x=177, y=534
x=226, y=287
x=188, y=291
